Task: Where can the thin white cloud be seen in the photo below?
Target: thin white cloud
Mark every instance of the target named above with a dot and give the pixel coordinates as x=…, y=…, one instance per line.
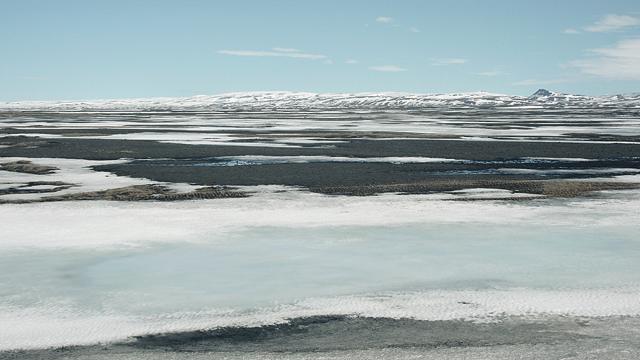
x=384, y=19
x=620, y=62
x=571, y=31
x=532, y=82
x=448, y=61
x=280, y=49
x=414, y=29
x=387, y=68
x=613, y=22
x=275, y=52
x=351, y=61
x=328, y=62
x=489, y=73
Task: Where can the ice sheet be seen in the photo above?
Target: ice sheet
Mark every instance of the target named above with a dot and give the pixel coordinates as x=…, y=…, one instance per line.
x=81, y=272
x=41, y=327
x=190, y=220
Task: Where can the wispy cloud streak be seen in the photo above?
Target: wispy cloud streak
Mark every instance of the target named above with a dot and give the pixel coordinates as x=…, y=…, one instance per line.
x=619, y=62
x=448, y=61
x=613, y=22
x=387, y=68
x=275, y=52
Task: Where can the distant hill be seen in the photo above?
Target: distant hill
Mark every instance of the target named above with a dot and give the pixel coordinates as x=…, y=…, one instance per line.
x=292, y=101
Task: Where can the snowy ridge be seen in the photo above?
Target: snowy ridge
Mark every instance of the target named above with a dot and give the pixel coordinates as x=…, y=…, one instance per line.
x=267, y=101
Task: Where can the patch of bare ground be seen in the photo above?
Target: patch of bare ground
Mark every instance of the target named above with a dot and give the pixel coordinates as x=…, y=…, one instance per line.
x=26, y=166
x=141, y=193
x=548, y=188
x=36, y=187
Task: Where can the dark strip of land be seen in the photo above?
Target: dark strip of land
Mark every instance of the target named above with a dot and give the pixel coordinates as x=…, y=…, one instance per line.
x=482, y=168
x=100, y=149
x=320, y=335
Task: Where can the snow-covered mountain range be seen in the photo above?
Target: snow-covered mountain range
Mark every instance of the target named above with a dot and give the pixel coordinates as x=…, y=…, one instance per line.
x=292, y=101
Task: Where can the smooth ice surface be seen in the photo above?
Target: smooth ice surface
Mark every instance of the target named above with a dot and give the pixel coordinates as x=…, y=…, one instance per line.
x=85, y=272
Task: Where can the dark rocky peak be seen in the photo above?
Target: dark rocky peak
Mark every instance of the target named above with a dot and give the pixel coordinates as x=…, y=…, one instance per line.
x=541, y=93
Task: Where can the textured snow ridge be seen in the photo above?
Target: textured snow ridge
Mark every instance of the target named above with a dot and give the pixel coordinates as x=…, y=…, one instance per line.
x=266, y=101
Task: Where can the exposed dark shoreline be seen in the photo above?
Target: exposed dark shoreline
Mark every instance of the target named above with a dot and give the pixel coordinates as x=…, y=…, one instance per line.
x=326, y=334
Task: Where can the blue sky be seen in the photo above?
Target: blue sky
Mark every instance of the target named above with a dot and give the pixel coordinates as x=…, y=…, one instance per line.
x=70, y=49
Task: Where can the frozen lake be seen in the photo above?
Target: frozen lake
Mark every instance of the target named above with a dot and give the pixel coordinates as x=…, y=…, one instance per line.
x=135, y=268
x=306, y=234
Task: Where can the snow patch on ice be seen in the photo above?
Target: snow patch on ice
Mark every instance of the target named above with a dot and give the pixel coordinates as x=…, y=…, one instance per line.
x=47, y=327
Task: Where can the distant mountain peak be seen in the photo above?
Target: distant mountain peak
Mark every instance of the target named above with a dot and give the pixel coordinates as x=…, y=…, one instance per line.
x=541, y=92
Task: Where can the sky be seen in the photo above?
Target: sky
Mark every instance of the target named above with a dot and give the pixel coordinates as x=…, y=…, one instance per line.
x=79, y=49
